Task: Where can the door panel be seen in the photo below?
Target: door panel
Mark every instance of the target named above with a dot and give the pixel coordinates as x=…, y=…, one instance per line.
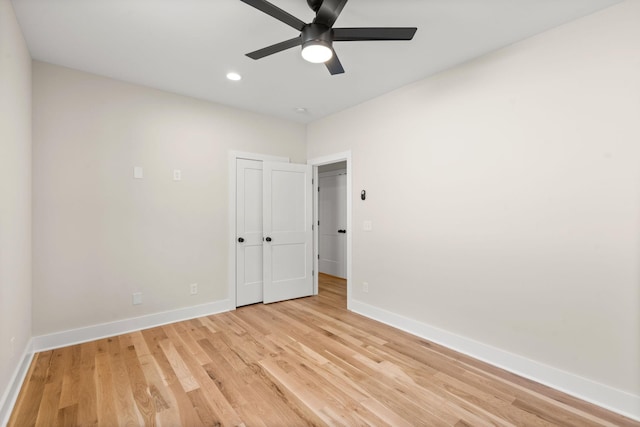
x=287, y=216
x=333, y=217
x=288, y=194
x=288, y=262
x=249, y=256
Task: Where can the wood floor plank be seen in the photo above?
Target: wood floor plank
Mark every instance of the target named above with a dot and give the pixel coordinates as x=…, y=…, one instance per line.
x=71, y=379
x=50, y=402
x=225, y=378
x=140, y=390
x=48, y=409
x=306, y=362
x=202, y=406
x=124, y=400
x=87, y=396
x=106, y=405
x=217, y=406
x=180, y=332
x=178, y=366
x=161, y=394
x=140, y=347
x=186, y=413
x=67, y=416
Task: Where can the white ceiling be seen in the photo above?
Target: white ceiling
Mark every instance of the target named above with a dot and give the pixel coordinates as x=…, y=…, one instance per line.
x=188, y=46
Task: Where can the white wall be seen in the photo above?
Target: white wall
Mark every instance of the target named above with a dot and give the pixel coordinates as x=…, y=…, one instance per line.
x=505, y=199
x=15, y=198
x=100, y=235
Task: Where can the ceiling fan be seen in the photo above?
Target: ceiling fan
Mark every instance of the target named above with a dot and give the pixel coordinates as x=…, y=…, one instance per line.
x=317, y=37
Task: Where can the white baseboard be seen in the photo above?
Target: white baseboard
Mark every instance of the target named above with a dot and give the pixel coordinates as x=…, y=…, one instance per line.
x=10, y=395
x=104, y=330
x=599, y=394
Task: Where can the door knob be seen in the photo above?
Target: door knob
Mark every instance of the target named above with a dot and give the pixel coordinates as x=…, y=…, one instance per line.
x=240, y=239
x=342, y=231
x=268, y=239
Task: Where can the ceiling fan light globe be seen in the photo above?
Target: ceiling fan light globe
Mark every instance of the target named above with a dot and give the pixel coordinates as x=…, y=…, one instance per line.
x=316, y=53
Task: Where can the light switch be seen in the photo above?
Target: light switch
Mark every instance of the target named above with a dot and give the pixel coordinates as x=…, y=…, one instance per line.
x=137, y=172
x=367, y=225
x=177, y=175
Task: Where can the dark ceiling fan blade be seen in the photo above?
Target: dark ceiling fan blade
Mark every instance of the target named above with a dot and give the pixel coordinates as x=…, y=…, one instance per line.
x=375, y=33
x=276, y=12
x=278, y=47
x=329, y=12
x=333, y=65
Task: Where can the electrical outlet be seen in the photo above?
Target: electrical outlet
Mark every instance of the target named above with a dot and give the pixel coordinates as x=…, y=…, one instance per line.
x=138, y=173
x=137, y=298
x=365, y=287
x=194, y=288
x=177, y=175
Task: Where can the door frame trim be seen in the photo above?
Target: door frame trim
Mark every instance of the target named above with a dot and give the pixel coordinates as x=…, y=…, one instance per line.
x=326, y=160
x=231, y=266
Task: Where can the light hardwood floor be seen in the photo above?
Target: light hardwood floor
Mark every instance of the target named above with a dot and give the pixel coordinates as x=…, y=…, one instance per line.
x=297, y=363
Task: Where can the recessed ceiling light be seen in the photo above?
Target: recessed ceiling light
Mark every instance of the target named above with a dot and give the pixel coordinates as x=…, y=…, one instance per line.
x=234, y=76
x=301, y=110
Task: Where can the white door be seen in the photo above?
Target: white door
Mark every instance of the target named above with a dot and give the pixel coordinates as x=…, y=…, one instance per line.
x=275, y=198
x=332, y=216
x=248, y=232
x=287, y=216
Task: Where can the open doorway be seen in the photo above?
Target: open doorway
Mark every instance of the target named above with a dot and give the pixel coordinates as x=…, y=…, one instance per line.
x=332, y=218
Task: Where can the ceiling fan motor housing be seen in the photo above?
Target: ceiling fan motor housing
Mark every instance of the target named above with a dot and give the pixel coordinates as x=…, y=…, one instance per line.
x=316, y=34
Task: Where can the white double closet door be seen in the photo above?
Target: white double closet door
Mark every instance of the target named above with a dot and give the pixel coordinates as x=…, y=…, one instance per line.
x=274, y=251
